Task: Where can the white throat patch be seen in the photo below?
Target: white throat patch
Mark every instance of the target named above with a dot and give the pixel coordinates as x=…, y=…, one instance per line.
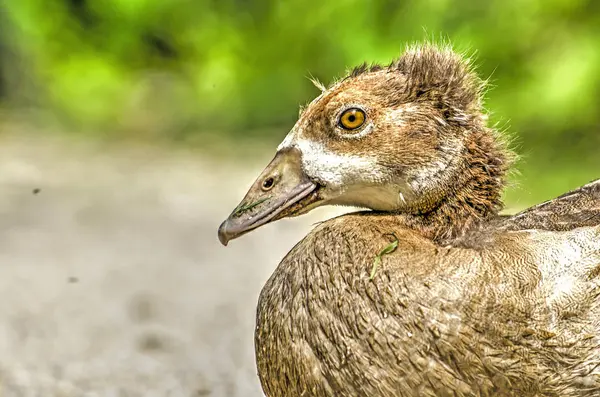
x=333, y=169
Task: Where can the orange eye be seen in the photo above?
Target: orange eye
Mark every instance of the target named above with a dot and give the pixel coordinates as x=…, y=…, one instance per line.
x=352, y=118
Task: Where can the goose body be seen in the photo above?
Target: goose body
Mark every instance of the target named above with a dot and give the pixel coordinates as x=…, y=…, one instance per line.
x=513, y=312
x=432, y=293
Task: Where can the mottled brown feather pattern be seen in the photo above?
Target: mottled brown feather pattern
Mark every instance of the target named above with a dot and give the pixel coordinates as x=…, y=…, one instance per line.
x=580, y=207
x=470, y=303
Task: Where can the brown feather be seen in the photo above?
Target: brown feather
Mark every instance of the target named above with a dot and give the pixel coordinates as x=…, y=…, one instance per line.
x=467, y=303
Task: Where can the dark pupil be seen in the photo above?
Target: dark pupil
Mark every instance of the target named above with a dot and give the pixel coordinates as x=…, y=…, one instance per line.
x=351, y=118
x=268, y=183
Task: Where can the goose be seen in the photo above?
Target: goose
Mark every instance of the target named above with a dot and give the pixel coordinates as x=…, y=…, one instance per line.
x=428, y=291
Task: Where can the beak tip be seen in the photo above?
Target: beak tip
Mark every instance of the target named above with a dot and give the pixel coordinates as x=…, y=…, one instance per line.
x=223, y=234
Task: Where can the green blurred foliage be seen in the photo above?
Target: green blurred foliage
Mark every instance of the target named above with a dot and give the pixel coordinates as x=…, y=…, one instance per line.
x=202, y=70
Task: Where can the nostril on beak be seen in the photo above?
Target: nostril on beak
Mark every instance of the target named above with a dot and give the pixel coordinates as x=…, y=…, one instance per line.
x=268, y=184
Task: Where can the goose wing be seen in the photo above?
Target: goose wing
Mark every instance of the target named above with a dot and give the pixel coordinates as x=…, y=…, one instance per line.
x=577, y=208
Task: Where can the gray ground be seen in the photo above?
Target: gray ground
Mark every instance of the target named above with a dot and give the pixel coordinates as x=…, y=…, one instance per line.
x=112, y=281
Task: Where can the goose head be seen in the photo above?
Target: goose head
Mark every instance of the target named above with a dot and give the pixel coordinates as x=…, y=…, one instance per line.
x=404, y=138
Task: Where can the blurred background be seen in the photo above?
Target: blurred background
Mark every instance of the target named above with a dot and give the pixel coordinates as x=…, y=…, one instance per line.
x=130, y=128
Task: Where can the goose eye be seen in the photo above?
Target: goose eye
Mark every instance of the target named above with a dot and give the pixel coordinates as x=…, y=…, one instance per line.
x=352, y=118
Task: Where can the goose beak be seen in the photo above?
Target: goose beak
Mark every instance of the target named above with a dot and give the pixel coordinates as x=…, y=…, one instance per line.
x=281, y=190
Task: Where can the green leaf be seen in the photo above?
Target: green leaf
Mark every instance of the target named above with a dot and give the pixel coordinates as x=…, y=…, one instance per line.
x=247, y=207
x=376, y=263
x=388, y=249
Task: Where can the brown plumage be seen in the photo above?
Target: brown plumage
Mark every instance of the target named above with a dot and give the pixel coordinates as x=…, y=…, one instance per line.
x=431, y=293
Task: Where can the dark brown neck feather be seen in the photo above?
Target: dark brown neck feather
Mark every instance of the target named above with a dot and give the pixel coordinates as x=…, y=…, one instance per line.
x=475, y=194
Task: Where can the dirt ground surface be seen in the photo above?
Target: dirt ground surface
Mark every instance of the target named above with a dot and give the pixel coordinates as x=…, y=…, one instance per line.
x=112, y=280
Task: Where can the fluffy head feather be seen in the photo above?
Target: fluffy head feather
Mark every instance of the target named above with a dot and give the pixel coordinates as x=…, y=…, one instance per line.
x=425, y=149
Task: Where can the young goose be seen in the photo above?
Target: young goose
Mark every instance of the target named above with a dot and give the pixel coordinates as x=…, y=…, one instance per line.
x=431, y=293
